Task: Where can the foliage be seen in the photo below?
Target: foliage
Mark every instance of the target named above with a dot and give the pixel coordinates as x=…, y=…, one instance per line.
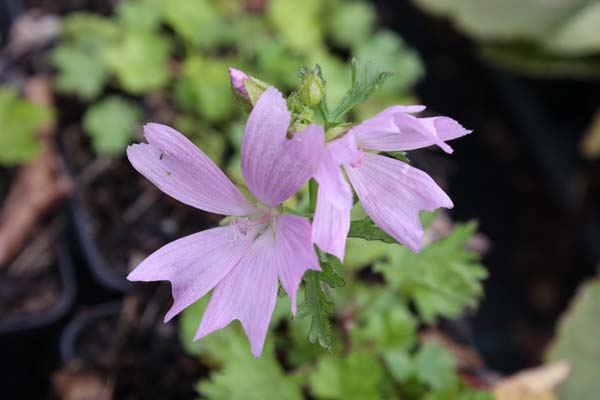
x=111, y=124
x=442, y=280
x=20, y=121
x=577, y=342
x=376, y=353
x=180, y=50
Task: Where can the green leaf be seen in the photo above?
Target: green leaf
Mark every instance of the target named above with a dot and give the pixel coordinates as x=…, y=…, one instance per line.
x=399, y=155
x=442, y=280
x=298, y=22
x=329, y=272
x=356, y=376
x=199, y=22
x=111, y=123
x=79, y=58
x=387, y=50
x=144, y=15
x=400, y=364
x=435, y=366
x=140, y=61
x=79, y=71
x=205, y=88
x=357, y=14
x=366, y=229
x=364, y=83
x=317, y=306
x=20, y=121
x=577, y=342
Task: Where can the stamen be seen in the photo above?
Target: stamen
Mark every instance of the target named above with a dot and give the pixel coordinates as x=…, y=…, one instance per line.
x=359, y=160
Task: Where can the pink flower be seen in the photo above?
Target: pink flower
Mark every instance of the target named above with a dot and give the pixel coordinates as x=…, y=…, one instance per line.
x=391, y=192
x=243, y=260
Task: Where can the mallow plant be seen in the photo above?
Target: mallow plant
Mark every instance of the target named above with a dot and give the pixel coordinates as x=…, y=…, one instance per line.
x=262, y=243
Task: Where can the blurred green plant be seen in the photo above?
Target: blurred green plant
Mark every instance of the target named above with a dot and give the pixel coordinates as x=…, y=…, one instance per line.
x=564, y=41
x=376, y=354
x=20, y=121
x=181, y=49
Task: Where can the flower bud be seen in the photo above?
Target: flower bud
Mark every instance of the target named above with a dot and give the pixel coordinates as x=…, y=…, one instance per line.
x=313, y=86
x=246, y=88
x=237, y=78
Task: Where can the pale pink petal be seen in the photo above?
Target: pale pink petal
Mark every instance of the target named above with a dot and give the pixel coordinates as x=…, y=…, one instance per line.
x=296, y=253
x=194, y=264
x=330, y=225
x=237, y=78
x=181, y=170
x=274, y=166
x=329, y=175
x=247, y=294
x=395, y=130
x=392, y=193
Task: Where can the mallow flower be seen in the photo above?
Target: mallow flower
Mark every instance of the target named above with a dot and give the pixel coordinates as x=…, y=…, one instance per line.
x=243, y=260
x=391, y=192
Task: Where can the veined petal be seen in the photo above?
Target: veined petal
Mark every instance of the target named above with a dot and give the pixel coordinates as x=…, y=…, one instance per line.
x=181, y=170
x=395, y=130
x=329, y=175
x=296, y=253
x=330, y=225
x=194, y=264
x=274, y=166
x=247, y=294
x=392, y=193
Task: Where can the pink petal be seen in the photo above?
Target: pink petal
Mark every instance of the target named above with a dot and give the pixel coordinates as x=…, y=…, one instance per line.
x=296, y=253
x=394, y=130
x=194, y=264
x=330, y=225
x=247, y=293
x=274, y=166
x=329, y=175
x=392, y=193
x=181, y=170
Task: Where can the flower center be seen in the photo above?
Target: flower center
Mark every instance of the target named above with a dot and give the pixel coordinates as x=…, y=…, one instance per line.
x=359, y=160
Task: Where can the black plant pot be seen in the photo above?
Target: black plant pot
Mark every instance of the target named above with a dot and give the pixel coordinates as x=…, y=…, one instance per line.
x=102, y=273
x=127, y=343
x=28, y=344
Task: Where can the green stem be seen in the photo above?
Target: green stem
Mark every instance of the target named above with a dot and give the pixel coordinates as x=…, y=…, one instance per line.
x=324, y=116
x=313, y=188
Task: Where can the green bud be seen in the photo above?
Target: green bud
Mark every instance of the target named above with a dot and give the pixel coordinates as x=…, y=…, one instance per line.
x=254, y=88
x=312, y=88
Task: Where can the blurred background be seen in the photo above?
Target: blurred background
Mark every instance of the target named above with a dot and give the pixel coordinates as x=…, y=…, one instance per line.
x=507, y=282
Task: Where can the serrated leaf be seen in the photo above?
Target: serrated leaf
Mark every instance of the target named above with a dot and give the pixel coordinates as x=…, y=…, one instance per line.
x=366, y=229
x=111, y=124
x=577, y=342
x=19, y=122
x=317, y=306
x=140, y=61
x=364, y=82
x=442, y=280
x=329, y=274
